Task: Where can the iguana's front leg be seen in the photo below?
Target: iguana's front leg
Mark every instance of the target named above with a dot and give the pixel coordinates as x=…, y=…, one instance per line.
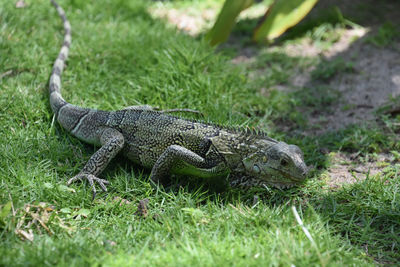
x=180, y=160
x=112, y=142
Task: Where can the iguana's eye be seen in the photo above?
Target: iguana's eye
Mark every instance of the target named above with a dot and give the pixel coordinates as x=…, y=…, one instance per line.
x=284, y=162
x=256, y=169
x=265, y=159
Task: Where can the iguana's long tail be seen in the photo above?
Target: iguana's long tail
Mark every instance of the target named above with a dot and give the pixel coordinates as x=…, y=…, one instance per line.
x=77, y=120
x=56, y=100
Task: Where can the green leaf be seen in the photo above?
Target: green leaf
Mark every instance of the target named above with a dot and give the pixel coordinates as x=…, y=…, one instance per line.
x=282, y=15
x=48, y=185
x=64, y=188
x=81, y=213
x=226, y=19
x=4, y=212
x=194, y=213
x=66, y=210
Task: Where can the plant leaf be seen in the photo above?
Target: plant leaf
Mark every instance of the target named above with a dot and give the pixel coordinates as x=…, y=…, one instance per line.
x=282, y=15
x=226, y=19
x=4, y=211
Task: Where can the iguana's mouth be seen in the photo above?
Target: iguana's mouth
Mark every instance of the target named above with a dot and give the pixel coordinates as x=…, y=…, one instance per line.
x=289, y=178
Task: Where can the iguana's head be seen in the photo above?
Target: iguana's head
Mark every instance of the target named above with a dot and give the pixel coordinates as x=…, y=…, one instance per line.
x=277, y=164
x=256, y=159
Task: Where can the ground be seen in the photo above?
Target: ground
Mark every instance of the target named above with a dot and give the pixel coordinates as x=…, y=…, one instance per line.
x=309, y=88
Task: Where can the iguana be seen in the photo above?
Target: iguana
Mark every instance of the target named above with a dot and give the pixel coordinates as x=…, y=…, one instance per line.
x=169, y=144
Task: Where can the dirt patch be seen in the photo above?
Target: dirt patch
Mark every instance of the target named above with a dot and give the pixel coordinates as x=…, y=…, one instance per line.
x=359, y=76
x=347, y=169
x=187, y=20
x=194, y=20
x=373, y=81
x=307, y=48
x=373, y=77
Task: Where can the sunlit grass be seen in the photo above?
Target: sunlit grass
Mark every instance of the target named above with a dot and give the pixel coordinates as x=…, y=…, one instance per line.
x=120, y=56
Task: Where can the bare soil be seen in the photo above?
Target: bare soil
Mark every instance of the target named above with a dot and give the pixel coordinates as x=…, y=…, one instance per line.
x=192, y=22
x=348, y=169
x=373, y=81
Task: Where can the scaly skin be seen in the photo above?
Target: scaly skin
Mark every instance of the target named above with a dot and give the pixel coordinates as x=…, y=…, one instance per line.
x=172, y=145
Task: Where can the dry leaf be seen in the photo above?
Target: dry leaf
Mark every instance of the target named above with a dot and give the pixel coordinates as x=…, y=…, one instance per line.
x=142, y=208
x=25, y=235
x=122, y=201
x=38, y=217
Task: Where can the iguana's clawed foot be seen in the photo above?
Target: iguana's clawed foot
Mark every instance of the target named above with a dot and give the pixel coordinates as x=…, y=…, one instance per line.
x=91, y=179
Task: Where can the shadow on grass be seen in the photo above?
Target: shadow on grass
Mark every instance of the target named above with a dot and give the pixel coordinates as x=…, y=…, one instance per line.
x=366, y=214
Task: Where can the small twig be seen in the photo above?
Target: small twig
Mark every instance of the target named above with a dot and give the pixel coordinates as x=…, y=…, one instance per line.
x=52, y=122
x=307, y=233
x=12, y=205
x=393, y=111
x=142, y=208
x=12, y=72
x=300, y=222
x=35, y=216
x=9, y=72
x=25, y=235
x=256, y=201
x=237, y=209
x=364, y=106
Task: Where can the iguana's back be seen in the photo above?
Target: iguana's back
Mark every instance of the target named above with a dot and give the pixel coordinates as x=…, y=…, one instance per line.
x=149, y=133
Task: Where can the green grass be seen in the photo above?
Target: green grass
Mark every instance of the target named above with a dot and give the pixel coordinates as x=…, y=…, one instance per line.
x=386, y=34
x=120, y=56
x=329, y=69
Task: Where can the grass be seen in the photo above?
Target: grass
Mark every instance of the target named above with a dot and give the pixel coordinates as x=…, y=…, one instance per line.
x=330, y=68
x=120, y=56
x=386, y=34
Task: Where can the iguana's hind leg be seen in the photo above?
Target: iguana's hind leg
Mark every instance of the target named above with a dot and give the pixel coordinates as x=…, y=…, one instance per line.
x=112, y=142
x=180, y=160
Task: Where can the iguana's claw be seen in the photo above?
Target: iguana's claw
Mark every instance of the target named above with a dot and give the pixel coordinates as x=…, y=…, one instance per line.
x=91, y=179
